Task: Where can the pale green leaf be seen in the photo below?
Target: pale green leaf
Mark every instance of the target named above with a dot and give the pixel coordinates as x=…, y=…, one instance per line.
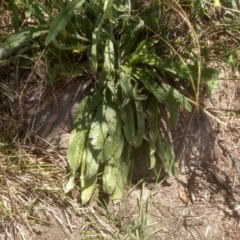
x=113, y=121
x=95, y=142
x=123, y=171
x=24, y=35
x=94, y=50
x=78, y=136
x=88, y=188
x=110, y=175
x=70, y=184
x=62, y=19
x=109, y=56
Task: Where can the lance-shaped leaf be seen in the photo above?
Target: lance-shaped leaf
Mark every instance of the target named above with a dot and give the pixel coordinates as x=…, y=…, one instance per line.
x=191, y=72
x=153, y=117
x=113, y=120
x=77, y=139
x=110, y=175
x=23, y=36
x=165, y=152
x=87, y=183
x=128, y=122
x=123, y=171
x=125, y=81
x=178, y=96
x=95, y=142
x=109, y=57
x=151, y=85
x=140, y=125
x=94, y=50
x=172, y=107
x=62, y=19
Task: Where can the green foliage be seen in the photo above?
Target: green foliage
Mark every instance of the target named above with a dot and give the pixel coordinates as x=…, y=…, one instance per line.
x=132, y=51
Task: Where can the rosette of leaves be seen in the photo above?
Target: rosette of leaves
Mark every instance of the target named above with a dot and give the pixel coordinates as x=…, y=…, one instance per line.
x=123, y=110
x=127, y=53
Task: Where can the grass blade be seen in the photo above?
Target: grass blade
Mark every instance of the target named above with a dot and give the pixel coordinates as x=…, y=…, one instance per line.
x=62, y=19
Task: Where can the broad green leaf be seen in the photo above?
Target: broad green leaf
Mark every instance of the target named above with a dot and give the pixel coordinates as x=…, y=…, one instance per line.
x=183, y=70
x=87, y=184
x=140, y=131
x=77, y=141
x=123, y=171
x=62, y=19
x=172, y=107
x=109, y=56
x=125, y=81
x=165, y=152
x=87, y=188
x=15, y=12
x=153, y=117
x=95, y=142
x=110, y=175
x=178, y=96
x=151, y=85
x=128, y=122
x=113, y=120
x=24, y=35
x=75, y=149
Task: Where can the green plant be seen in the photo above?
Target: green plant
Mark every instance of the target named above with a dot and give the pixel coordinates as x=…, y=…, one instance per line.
x=134, y=79
x=131, y=50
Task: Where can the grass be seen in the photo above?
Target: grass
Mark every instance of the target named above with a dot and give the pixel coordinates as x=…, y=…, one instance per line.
x=32, y=197
x=186, y=40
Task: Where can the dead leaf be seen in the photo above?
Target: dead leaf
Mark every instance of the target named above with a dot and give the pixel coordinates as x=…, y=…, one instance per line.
x=183, y=195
